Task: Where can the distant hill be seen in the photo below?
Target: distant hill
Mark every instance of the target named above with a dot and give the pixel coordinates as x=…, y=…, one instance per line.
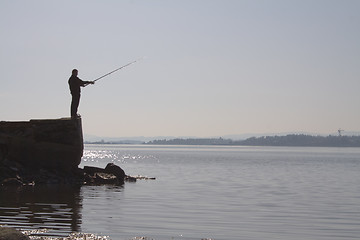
x=245, y=136
x=92, y=139
x=235, y=137
x=300, y=140
x=120, y=140
x=114, y=142
x=303, y=141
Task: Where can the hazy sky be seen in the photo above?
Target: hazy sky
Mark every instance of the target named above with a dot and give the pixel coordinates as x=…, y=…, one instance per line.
x=212, y=67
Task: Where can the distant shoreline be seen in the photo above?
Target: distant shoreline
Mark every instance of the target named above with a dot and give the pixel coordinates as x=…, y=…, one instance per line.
x=291, y=140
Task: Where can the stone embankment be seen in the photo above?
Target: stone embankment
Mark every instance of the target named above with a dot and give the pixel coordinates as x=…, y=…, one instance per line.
x=49, y=152
x=47, y=143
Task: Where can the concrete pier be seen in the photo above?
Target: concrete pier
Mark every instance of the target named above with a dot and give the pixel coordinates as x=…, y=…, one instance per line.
x=46, y=143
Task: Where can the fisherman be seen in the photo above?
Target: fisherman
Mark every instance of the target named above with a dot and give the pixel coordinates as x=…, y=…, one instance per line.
x=75, y=83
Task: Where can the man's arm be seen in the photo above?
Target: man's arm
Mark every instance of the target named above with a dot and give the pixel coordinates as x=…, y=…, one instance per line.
x=89, y=82
x=85, y=83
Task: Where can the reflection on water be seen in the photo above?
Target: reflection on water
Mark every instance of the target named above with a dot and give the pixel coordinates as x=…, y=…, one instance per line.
x=222, y=193
x=56, y=208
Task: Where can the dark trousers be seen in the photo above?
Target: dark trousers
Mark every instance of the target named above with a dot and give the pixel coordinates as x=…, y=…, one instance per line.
x=74, y=105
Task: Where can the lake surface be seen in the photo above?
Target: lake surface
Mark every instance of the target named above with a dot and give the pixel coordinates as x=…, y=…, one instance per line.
x=213, y=192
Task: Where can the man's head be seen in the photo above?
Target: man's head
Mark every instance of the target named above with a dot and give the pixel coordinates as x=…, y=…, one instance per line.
x=74, y=72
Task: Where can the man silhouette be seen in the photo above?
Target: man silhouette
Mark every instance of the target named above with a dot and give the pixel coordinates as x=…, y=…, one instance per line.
x=75, y=83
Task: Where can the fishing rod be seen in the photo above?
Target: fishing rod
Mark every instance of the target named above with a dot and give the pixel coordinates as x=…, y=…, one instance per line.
x=117, y=69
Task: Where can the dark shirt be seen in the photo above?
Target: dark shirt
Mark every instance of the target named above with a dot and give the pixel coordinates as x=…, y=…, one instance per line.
x=75, y=83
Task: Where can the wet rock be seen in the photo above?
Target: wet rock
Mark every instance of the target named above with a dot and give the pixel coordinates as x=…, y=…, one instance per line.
x=14, y=173
x=139, y=177
x=9, y=169
x=11, y=182
x=106, y=178
x=92, y=170
x=112, y=174
x=130, y=179
x=116, y=170
x=7, y=233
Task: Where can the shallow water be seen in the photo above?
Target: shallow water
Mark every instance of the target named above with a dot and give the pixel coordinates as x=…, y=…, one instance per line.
x=215, y=192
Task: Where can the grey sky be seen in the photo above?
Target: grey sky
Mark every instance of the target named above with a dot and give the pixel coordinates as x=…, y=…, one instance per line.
x=212, y=67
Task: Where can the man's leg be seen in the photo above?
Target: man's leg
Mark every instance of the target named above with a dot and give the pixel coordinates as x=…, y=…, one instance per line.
x=74, y=105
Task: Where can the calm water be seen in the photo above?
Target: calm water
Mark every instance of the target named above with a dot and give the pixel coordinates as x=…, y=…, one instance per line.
x=222, y=193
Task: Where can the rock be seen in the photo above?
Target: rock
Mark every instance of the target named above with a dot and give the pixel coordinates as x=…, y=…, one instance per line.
x=3, y=151
x=13, y=173
x=139, y=177
x=7, y=233
x=112, y=174
x=12, y=182
x=93, y=170
x=116, y=170
x=130, y=179
x=106, y=178
x=50, y=176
